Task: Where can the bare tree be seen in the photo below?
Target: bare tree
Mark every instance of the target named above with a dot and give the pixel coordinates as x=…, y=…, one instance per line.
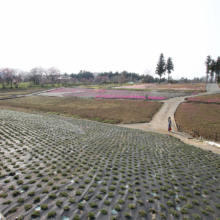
x=53, y=73
x=19, y=74
x=36, y=74
x=7, y=75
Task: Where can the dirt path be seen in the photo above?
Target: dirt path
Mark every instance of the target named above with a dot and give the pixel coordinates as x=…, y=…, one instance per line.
x=159, y=123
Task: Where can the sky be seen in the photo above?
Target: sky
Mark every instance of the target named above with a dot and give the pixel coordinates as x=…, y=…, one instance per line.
x=109, y=35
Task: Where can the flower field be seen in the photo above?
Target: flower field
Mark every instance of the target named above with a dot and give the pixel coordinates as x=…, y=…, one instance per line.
x=202, y=117
x=206, y=98
x=89, y=170
x=114, y=94
x=178, y=87
x=103, y=110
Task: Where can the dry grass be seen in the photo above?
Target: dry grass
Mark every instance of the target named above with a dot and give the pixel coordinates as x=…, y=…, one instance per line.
x=15, y=92
x=204, y=118
x=205, y=98
x=109, y=111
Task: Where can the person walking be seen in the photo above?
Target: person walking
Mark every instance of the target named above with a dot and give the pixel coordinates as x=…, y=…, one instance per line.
x=169, y=124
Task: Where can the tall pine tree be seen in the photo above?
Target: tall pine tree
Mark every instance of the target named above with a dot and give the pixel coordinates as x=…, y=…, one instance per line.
x=169, y=67
x=217, y=69
x=161, y=66
x=212, y=68
x=207, y=63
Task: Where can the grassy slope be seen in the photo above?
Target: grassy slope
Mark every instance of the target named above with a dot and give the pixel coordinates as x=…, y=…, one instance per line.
x=110, y=111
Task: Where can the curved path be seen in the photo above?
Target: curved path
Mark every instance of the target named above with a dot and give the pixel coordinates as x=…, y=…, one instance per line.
x=159, y=122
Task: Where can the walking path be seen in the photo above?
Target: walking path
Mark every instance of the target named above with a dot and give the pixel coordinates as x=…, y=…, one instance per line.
x=159, y=123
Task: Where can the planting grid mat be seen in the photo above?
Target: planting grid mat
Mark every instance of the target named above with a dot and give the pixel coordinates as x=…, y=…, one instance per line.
x=65, y=168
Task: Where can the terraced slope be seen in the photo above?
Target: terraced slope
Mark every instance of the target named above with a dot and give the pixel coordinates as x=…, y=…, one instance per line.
x=66, y=168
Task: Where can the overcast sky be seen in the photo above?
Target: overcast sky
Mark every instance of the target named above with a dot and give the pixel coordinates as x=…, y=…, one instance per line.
x=109, y=35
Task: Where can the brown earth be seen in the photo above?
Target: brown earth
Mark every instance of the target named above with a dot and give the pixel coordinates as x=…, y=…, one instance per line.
x=179, y=87
x=204, y=118
x=206, y=98
x=103, y=110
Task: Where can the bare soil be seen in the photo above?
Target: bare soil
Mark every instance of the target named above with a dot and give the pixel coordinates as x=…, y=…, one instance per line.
x=180, y=87
x=204, y=118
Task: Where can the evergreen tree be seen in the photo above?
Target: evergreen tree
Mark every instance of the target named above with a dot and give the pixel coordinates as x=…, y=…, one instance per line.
x=207, y=63
x=169, y=67
x=212, y=68
x=217, y=69
x=161, y=66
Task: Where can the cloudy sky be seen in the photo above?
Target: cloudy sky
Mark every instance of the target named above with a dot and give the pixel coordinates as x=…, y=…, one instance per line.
x=109, y=35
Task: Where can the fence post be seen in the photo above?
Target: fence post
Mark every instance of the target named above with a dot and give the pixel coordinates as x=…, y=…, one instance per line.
x=216, y=136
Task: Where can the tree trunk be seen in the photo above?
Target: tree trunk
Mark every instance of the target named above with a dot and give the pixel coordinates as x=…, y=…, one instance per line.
x=160, y=80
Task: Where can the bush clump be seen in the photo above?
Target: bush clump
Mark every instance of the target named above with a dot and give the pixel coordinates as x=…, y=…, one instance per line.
x=35, y=214
x=27, y=207
x=51, y=214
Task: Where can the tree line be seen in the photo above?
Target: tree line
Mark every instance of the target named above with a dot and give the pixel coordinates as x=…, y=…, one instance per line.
x=42, y=76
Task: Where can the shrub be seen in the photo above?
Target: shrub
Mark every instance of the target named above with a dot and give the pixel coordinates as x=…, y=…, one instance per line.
x=20, y=182
x=7, y=202
x=104, y=211
x=80, y=206
x=170, y=203
x=195, y=201
x=51, y=214
x=106, y=202
x=150, y=200
x=31, y=193
x=70, y=188
x=76, y=217
x=183, y=210
x=78, y=193
x=91, y=215
x=15, y=193
x=66, y=208
x=45, y=191
x=174, y=212
x=64, y=194
x=121, y=201
x=44, y=206
x=209, y=208
x=52, y=196
x=98, y=196
x=27, y=207
x=142, y=213
x=117, y=207
x=37, y=199
x=20, y=200
x=71, y=200
x=35, y=214
x=13, y=210
x=93, y=204
x=127, y=214
x=204, y=212
x=25, y=187
x=58, y=203
x=189, y=206
x=131, y=206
